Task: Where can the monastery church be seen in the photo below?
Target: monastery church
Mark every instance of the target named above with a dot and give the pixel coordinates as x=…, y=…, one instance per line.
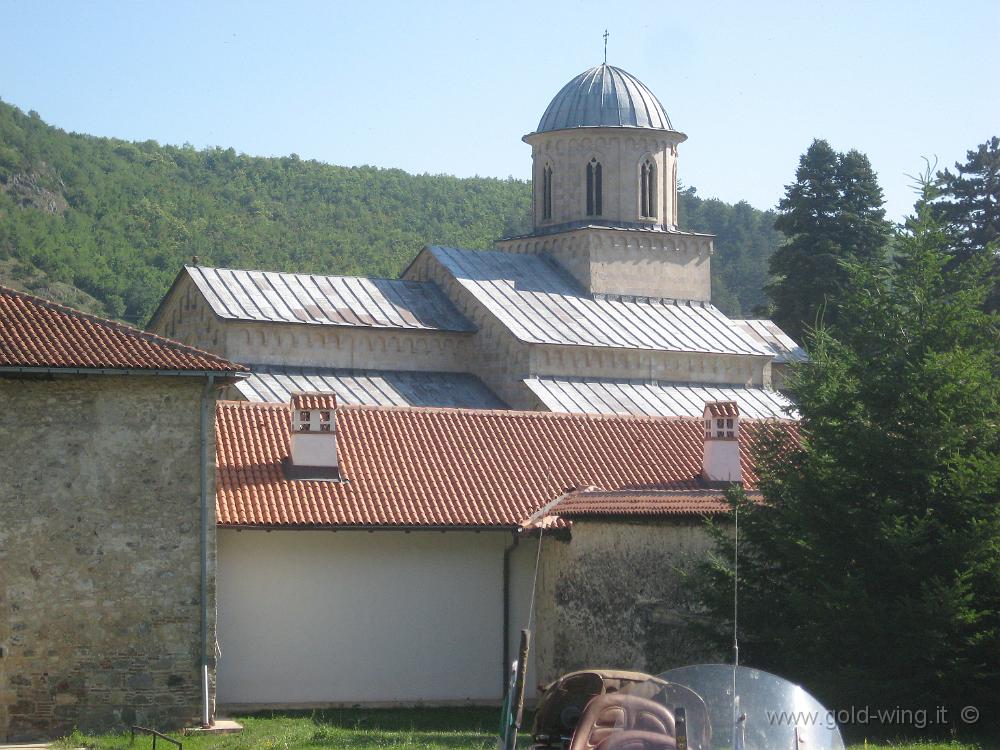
x=604, y=308
x=302, y=491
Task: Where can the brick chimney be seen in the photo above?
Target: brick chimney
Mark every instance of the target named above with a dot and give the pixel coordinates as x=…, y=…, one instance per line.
x=313, y=440
x=720, y=462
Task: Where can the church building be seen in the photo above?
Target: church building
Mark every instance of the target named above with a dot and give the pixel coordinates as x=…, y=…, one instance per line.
x=605, y=307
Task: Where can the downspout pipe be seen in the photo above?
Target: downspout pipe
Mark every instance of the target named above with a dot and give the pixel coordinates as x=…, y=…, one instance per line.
x=206, y=397
x=505, y=667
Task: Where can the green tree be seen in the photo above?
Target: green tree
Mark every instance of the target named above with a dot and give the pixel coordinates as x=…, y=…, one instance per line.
x=871, y=571
x=832, y=212
x=970, y=204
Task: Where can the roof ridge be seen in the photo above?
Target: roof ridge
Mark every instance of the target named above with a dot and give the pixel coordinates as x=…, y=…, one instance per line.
x=515, y=413
x=122, y=327
x=307, y=273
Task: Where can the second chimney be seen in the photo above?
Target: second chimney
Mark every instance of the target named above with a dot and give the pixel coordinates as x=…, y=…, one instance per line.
x=720, y=462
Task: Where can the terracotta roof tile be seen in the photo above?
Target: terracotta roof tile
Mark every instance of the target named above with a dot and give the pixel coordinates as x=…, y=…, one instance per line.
x=723, y=408
x=687, y=502
x=37, y=333
x=410, y=467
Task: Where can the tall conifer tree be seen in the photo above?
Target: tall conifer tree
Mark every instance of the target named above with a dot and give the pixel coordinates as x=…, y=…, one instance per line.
x=970, y=204
x=871, y=572
x=831, y=213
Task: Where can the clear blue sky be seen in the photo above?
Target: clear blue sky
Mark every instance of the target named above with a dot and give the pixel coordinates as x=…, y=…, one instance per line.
x=450, y=87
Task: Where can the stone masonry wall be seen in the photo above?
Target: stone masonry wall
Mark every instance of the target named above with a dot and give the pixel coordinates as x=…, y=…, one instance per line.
x=99, y=543
x=617, y=596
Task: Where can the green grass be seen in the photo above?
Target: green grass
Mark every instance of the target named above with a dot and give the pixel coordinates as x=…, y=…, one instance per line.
x=351, y=729
x=378, y=729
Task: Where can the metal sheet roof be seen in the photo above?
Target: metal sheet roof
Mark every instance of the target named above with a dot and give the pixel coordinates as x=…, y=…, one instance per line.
x=541, y=303
x=373, y=387
x=599, y=396
x=766, y=332
x=327, y=300
x=604, y=96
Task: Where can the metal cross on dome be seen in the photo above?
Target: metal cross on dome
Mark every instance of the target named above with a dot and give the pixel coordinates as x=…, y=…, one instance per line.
x=605, y=46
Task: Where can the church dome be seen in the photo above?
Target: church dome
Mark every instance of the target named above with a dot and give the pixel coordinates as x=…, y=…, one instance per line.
x=604, y=96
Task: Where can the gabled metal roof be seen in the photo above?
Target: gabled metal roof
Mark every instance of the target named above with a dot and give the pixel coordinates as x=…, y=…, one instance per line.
x=540, y=303
x=273, y=297
x=604, y=96
x=654, y=399
x=766, y=332
x=374, y=387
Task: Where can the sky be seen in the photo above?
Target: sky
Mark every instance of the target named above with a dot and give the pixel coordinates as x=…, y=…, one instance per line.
x=450, y=87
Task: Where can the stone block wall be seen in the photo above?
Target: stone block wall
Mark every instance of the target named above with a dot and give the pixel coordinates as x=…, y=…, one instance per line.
x=99, y=543
x=618, y=596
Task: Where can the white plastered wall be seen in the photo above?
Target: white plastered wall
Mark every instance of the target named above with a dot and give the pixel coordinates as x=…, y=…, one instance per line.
x=317, y=618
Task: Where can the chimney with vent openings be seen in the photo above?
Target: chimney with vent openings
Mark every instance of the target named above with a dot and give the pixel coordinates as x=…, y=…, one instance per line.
x=313, y=441
x=720, y=462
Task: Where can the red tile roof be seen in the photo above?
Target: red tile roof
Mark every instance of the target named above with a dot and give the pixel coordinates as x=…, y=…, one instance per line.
x=722, y=408
x=314, y=400
x=36, y=333
x=597, y=502
x=409, y=467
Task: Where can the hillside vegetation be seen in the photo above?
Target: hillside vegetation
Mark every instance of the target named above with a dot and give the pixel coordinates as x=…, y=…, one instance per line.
x=105, y=224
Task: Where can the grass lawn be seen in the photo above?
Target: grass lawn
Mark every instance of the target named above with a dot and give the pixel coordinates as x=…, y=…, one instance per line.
x=373, y=729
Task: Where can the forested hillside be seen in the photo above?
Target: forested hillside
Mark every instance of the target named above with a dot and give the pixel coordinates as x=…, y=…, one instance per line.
x=105, y=224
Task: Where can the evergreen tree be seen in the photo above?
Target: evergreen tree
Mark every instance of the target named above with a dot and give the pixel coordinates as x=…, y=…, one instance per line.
x=831, y=213
x=871, y=572
x=970, y=204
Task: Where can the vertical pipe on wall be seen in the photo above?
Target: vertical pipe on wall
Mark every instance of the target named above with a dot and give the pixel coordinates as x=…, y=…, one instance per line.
x=506, y=613
x=206, y=715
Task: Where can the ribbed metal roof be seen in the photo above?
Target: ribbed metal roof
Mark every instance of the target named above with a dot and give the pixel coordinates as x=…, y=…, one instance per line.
x=604, y=96
x=767, y=333
x=327, y=300
x=374, y=387
x=654, y=399
x=540, y=303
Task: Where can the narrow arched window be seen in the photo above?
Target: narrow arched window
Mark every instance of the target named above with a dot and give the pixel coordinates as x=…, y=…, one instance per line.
x=647, y=189
x=547, y=192
x=594, y=188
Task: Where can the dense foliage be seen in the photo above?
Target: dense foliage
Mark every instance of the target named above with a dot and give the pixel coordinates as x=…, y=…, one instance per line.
x=106, y=224
x=831, y=213
x=745, y=238
x=969, y=203
x=872, y=571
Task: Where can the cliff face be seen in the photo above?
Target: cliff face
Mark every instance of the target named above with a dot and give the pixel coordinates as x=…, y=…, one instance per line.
x=30, y=190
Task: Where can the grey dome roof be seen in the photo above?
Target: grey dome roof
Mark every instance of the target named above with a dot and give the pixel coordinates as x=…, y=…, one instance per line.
x=604, y=96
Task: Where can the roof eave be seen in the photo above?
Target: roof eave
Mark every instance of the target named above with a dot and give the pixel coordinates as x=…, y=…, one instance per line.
x=507, y=528
x=44, y=370
x=678, y=135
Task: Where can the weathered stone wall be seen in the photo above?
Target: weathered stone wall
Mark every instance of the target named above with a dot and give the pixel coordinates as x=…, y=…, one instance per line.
x=617, y=596
x=99, y=543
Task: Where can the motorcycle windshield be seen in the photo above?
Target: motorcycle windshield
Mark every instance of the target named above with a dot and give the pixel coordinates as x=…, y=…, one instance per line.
x=769, y=712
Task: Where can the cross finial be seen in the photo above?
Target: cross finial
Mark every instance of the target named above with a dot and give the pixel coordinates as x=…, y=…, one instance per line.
x=605, y=46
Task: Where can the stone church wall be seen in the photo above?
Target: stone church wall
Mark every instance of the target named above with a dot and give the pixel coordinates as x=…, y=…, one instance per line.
x=617, y=596
x=670, y=265
x=99, y=542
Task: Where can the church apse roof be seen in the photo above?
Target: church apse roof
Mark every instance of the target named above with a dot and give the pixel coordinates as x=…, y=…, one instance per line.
x=540, y=303
x=272, y=297
x=653, y=398
x=276, y=383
